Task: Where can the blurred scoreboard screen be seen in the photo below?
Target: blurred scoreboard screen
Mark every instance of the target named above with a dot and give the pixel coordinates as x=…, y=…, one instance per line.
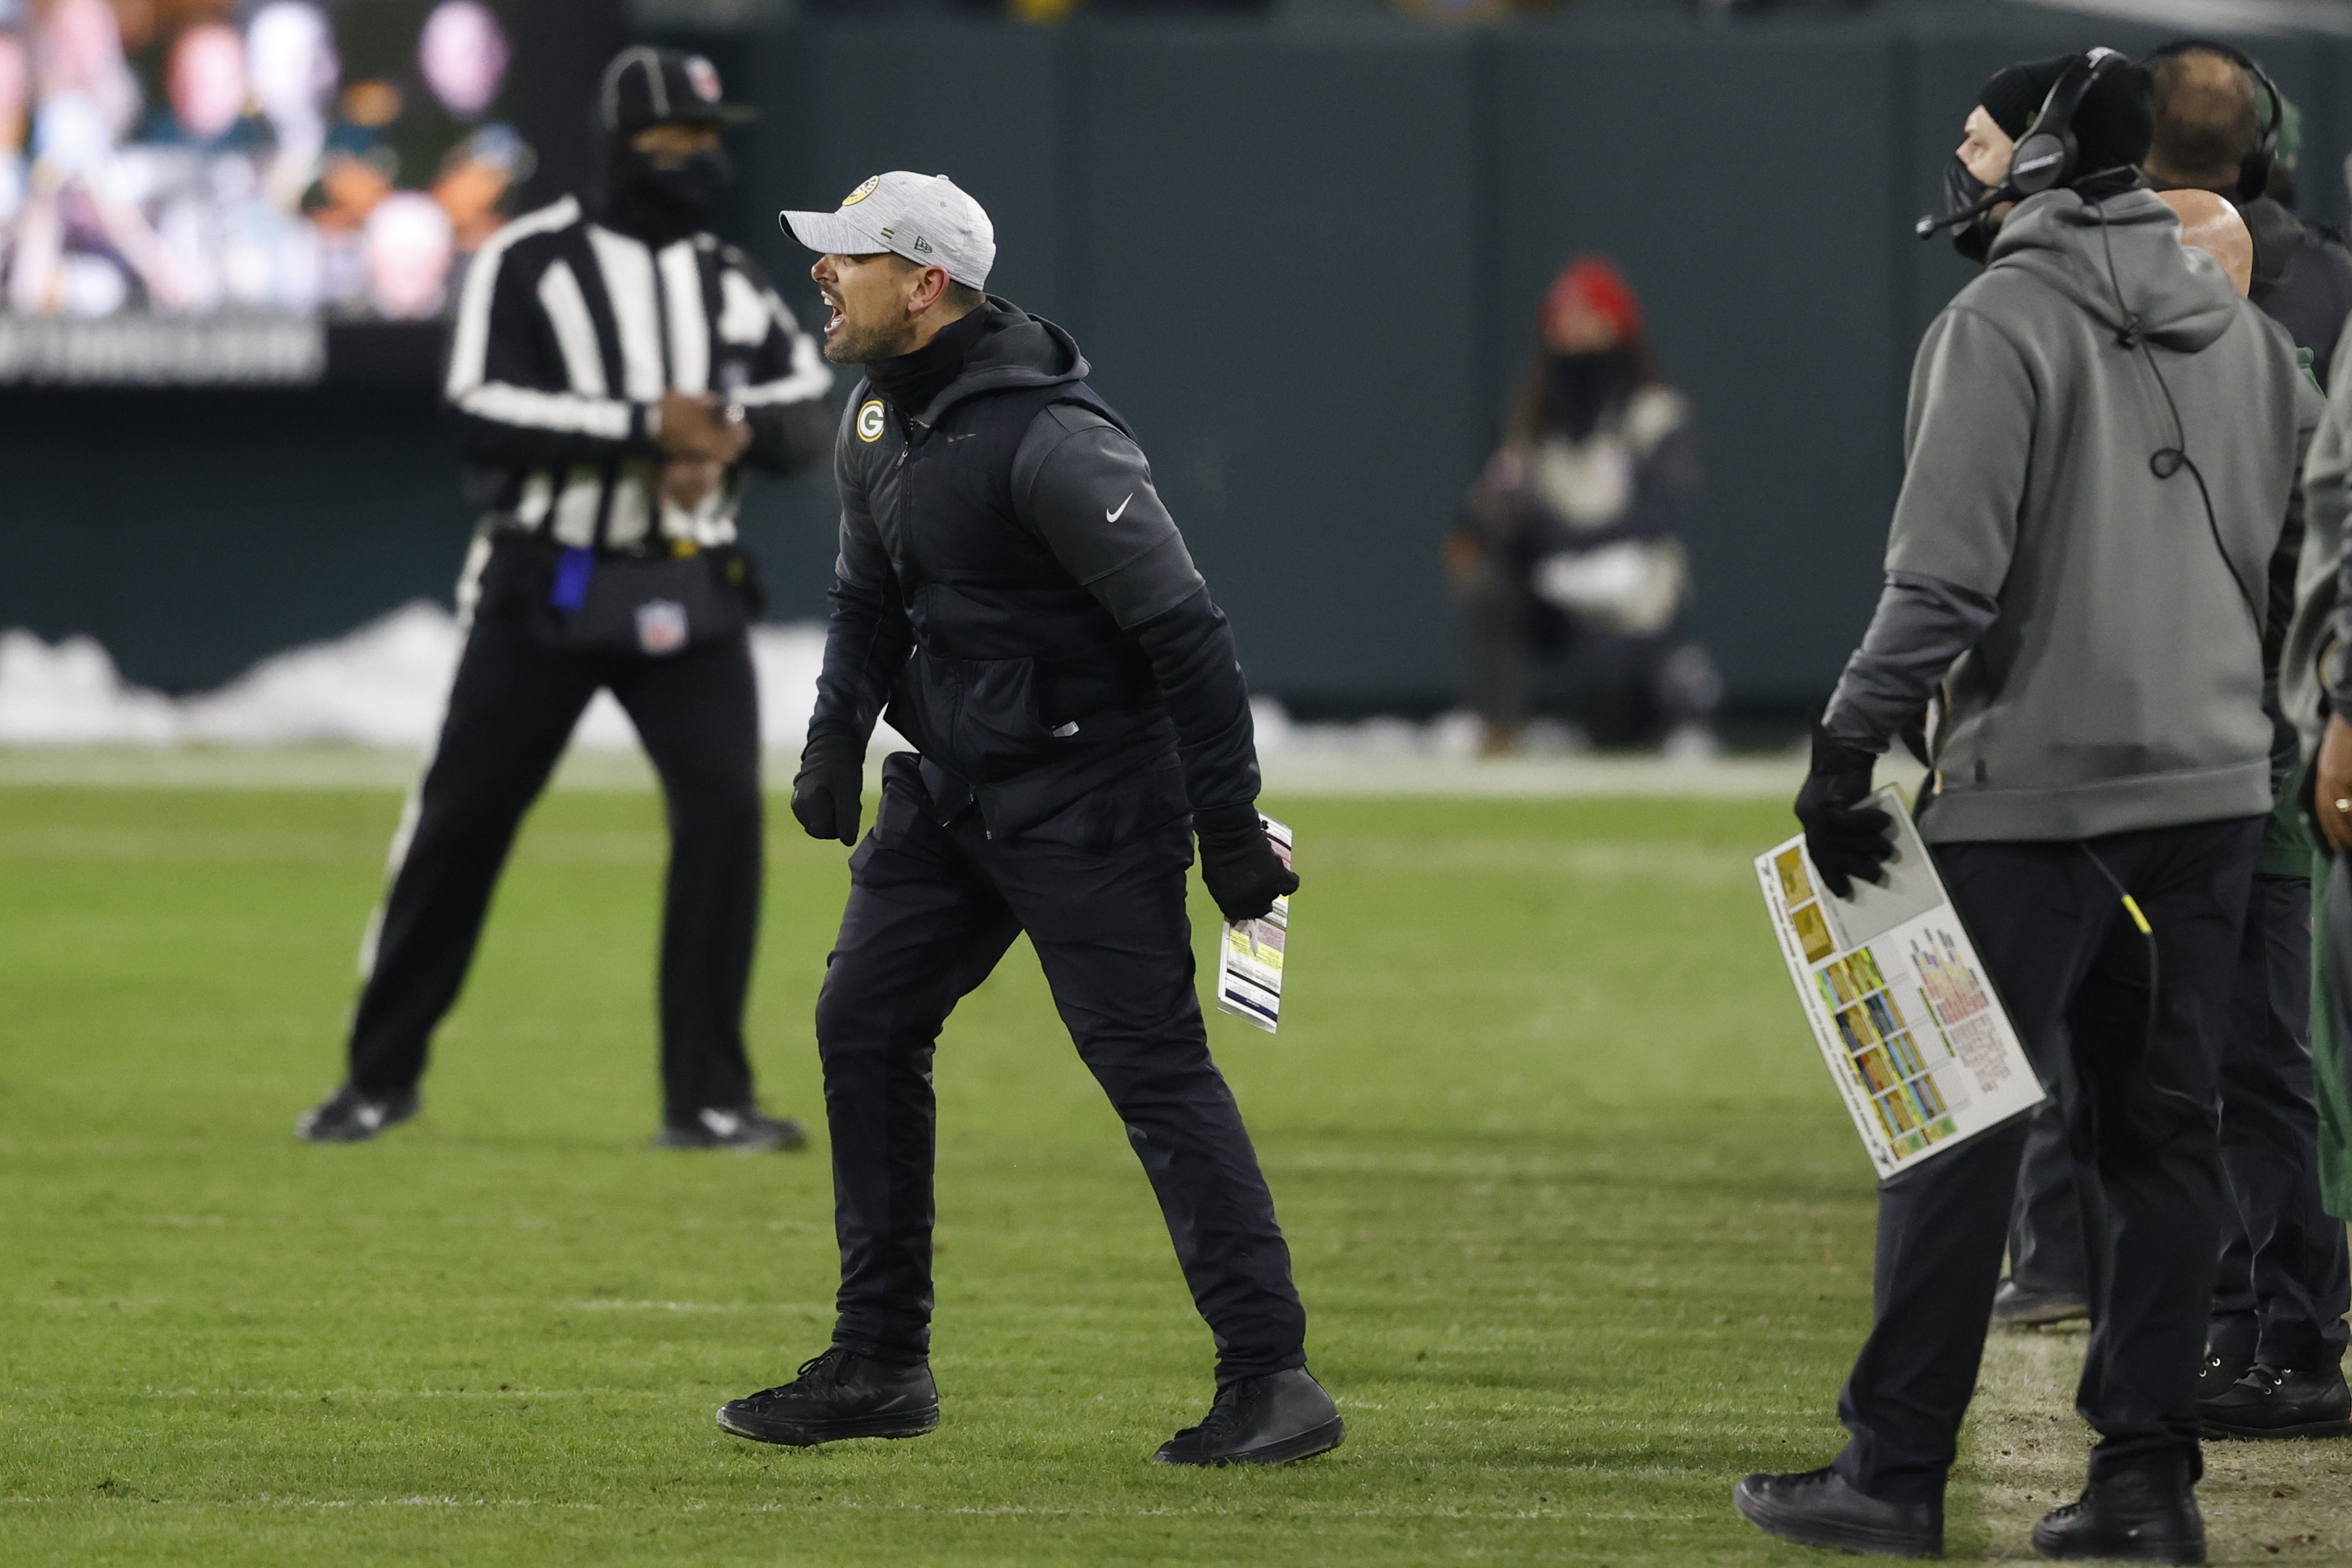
x=198, y=192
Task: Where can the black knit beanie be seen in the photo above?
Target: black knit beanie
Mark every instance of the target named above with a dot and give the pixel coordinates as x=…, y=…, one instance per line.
x=2114, y=126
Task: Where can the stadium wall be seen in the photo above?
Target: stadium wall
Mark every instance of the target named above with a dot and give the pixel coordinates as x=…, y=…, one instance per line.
x=1305, y=257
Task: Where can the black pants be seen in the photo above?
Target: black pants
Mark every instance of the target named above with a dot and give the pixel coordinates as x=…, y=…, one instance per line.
x=2284, y=1278
x=512, y=712
x=1624, y=690
x=1099, y=888
x=2075, y=971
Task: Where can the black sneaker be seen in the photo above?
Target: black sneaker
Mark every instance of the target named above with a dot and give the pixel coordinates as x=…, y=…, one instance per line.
x=2016, y=1307
x=745, y=1129
x=1820, y=1508
x=348, y=1116
x=2142, y=1515
x=837, y=1396
x=2280, y=1401
x=1266, y=1421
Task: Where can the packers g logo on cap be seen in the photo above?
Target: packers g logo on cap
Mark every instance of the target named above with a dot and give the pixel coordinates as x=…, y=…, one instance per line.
x=858, y=195
x=869, y=420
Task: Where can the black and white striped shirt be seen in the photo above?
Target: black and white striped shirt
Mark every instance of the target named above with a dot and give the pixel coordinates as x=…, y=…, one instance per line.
x=568, y=336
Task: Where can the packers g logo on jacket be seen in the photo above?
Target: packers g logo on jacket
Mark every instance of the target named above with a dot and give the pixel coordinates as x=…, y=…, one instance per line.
x=869, y=420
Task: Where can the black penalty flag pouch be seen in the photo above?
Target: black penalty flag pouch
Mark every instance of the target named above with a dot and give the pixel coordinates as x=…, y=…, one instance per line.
x=651, y=606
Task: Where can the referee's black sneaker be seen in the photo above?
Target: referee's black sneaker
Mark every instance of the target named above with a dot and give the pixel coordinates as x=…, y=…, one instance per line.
x=838, y=1396
x=743, y=1128
x=1266, y=1421
x=2280, y=1401
x=1819, y=1508
x=348, y=1116
x=2147, y=1514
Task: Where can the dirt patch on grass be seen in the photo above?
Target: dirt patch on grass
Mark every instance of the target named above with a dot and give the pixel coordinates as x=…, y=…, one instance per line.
x=2025, y=1450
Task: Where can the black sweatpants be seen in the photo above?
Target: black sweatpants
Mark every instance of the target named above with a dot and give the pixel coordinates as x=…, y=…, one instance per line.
x=2075, y=972
x=1099, y=888
x=511, y=711
x=2284, y=1278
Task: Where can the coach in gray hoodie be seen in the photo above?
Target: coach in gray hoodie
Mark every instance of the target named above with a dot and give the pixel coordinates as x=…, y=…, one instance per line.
x=2100, y=446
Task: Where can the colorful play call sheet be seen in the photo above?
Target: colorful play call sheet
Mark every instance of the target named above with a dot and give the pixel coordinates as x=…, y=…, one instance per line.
x=1917, y=1042
x=1249, y=962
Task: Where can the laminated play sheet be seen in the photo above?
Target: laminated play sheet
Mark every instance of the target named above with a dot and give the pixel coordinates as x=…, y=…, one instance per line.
x=1249, y=961
x=1917, y=1042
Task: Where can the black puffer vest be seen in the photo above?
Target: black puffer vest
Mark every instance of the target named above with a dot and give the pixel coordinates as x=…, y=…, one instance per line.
x=1017, y=670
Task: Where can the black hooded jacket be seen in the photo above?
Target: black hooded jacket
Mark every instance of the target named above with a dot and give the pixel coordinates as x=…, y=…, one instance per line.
x=2303, y=279
x=1011, y=585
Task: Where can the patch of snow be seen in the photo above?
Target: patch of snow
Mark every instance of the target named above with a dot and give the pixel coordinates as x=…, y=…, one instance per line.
x=383, y=684
x=70, y=695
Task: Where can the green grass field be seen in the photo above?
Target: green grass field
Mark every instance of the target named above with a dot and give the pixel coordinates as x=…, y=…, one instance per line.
x=1581, y=1228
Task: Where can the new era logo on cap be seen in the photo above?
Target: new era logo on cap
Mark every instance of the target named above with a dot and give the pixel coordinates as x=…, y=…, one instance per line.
x=924, y=217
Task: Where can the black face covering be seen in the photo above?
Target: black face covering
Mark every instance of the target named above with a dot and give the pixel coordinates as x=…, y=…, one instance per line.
x=1962, y=190
x=660, y=205
x=1579, y=389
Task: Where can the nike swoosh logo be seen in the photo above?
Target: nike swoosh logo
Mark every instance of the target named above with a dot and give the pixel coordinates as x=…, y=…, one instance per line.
x=1111, y=517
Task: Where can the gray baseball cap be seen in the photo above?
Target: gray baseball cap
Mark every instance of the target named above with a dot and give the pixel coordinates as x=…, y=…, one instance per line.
x=926, y=218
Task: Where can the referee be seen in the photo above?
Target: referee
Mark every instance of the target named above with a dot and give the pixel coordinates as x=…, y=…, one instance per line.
x=612, y=372
x=1011, y=585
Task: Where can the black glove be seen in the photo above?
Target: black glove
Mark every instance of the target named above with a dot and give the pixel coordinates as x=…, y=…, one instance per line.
x=1238, y=864
x=1843, y=839
x=825, y=791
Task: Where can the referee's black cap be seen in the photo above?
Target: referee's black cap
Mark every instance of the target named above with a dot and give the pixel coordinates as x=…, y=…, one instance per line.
x=645, y=86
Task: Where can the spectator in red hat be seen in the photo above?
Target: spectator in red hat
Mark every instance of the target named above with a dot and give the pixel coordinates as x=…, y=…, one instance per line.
x=1570, y=550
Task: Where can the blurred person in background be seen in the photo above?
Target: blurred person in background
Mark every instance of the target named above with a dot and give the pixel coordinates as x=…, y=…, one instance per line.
x=15, y=122
x=205, y=92
x=292, y=65
x=462, y=54
x=2276, y=1335
x=1570, y=545
x=477, y=177
x=462, y=65
x=409, y=246
x=83, y=245
x=2074, y=579
x=611, y=373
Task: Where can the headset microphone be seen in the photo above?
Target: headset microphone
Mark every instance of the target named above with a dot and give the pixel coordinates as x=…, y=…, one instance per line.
x=2045, y=156
x=1925, y=227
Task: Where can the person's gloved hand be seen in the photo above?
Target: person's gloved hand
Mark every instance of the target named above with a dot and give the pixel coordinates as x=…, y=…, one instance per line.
x=1845, y=839
x=1238, y=864
x=825, y=791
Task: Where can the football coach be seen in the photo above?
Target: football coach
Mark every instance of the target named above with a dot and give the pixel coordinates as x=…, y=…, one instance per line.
x=2101, y=444
x=1011, y=587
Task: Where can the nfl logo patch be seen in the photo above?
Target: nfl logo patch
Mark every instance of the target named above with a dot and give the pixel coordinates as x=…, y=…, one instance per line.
x=703, y=77
x=661, y=626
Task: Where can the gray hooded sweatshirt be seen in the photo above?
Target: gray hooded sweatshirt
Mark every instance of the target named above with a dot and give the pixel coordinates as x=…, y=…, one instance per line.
x=2099, y=641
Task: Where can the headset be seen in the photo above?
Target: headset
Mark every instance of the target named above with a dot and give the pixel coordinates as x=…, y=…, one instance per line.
x=2254, y=169
x=2045, y=157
